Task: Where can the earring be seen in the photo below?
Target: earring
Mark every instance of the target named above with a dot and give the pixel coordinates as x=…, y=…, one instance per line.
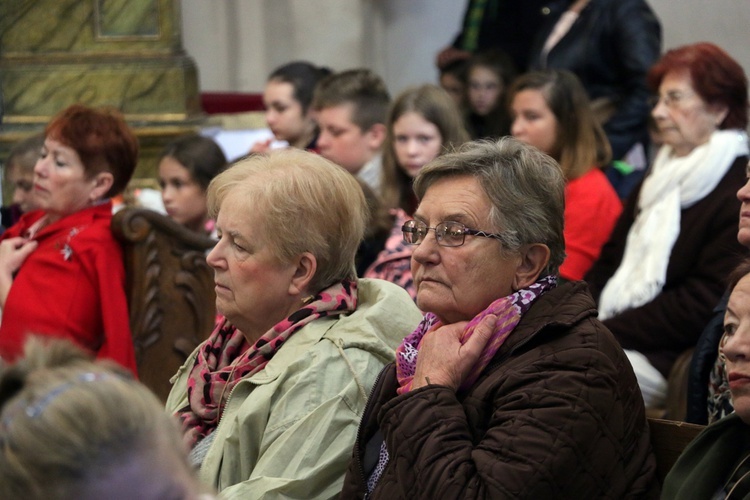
x=308, y=299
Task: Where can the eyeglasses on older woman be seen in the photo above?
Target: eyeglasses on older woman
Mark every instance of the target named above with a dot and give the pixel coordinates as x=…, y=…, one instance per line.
x=447, y=233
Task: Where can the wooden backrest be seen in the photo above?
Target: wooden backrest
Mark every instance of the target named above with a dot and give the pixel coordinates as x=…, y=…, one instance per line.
x=677, y=387
x=170, y=291
x=668, y=439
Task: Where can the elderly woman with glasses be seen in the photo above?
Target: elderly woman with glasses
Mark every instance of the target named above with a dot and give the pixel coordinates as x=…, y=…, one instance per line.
x=662, y=271
x=270, y=402
x=509, y=387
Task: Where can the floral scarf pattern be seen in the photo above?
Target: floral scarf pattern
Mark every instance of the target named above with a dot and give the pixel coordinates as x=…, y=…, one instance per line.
x=508, y=310
x=226, y=357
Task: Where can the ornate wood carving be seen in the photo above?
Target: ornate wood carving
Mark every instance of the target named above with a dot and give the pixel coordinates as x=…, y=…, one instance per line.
x=170, y=292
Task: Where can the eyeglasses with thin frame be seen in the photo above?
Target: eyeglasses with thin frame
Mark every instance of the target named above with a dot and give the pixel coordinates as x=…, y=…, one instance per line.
x=671, y=99
x=447, y=233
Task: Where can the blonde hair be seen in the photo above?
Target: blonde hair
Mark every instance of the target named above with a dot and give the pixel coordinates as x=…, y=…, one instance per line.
x=306, y=204
x=67, y=423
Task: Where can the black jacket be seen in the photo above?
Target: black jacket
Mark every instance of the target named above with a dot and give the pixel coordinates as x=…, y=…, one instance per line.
x=610, y=47
x=509, y=25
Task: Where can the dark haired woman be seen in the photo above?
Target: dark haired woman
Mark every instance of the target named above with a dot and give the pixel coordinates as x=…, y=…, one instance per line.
x=551, y=112
x=186, y=168
x=287, y=98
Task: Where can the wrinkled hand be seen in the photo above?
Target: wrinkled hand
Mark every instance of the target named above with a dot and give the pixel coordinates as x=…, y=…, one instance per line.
x=450, y=54
x=262, y=146
x=444, y=360
x=13, y=253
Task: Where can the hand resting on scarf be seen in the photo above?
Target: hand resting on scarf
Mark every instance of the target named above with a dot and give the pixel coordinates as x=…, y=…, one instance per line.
x=443, y=360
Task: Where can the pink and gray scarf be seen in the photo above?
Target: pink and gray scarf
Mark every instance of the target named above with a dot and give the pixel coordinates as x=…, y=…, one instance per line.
x=508, y=310
x=226, y=358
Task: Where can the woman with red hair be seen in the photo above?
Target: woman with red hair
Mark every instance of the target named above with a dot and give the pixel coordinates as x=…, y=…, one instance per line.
x=61, y=270
x=662, y=271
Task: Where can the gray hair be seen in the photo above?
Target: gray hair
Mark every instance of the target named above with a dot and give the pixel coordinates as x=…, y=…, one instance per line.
x=525, y=187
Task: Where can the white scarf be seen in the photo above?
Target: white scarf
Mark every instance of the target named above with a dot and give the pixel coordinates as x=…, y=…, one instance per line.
x=673, y=185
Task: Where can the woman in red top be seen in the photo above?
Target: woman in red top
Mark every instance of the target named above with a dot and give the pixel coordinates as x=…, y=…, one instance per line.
x=61, y=270
x=551, y=112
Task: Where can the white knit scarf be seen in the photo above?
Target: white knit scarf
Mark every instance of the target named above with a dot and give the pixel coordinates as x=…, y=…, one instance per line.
x=673, y=185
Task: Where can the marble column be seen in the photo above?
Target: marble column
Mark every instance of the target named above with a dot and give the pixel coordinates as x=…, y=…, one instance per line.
x=125, y=54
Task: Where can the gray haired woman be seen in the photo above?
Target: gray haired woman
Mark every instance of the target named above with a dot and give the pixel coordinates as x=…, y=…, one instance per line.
x=509, y=387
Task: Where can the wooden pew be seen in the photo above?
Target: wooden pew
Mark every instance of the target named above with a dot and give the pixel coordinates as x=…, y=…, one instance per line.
x=668, y=439
x=170, y=291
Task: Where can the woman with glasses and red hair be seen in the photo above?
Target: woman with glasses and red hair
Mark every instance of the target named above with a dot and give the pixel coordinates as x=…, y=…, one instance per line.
x=662, y=270
x=509, y=387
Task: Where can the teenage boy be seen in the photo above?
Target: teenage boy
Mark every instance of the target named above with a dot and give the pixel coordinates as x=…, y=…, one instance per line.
x=351, y=109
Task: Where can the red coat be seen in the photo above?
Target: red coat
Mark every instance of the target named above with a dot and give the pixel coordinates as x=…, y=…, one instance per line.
x=71, y=286
x=592, y=208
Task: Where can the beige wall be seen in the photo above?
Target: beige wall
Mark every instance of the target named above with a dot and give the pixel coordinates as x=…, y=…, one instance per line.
x=723, y=22
x=236, y=43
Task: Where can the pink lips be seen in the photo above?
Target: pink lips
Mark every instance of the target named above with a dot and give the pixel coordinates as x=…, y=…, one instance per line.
x=737, y=380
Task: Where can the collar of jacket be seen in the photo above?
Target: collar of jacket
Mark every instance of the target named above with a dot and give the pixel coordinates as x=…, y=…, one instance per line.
x=558, y=309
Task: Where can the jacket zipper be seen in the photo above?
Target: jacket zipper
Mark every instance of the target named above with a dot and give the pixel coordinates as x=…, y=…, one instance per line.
x=221, y=418
x=365, y=414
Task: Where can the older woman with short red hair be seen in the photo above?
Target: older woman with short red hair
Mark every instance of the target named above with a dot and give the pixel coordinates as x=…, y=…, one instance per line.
x=662, y=271
x=61, y=270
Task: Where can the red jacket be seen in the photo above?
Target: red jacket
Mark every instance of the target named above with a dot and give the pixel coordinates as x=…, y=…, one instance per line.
x=71, y=286
x=592, y=208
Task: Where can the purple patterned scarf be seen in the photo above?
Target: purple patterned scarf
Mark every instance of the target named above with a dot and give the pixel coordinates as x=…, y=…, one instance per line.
x=226, y=358
x=508, y=310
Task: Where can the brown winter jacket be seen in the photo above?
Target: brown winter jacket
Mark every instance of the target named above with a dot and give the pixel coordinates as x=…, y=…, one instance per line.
x=556, y=414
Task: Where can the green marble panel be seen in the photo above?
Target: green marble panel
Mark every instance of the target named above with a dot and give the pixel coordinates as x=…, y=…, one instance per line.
x=126, y=18
x=72, y=28
x=143, y=88
x=121, y=53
